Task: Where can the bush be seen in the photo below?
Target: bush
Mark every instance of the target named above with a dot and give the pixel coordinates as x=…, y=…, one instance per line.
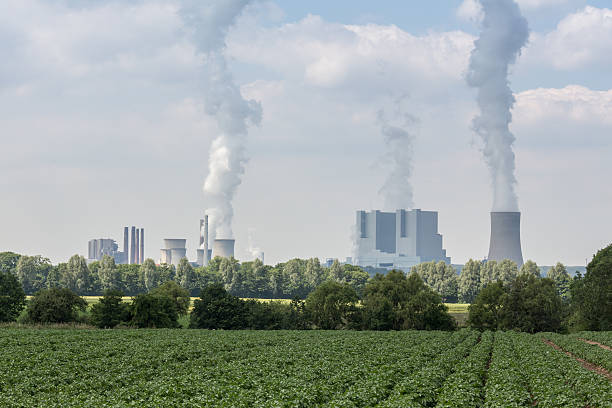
x=176, y=293
x=149, y=311
x=110, y=310
x=55, y=306
x=217, y=309
x=332, y=305
x=12, y=297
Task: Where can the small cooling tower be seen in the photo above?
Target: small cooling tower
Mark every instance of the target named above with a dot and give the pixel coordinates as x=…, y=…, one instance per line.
x=223, y=248
x=506, y=237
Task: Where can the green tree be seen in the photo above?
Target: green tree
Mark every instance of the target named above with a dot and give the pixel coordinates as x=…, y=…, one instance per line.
x=149, y=311
x=110, y=310
x=295, y=272
x=562, y=280
x=12, y=297
x=218, y=309
x=506, y=271
x=76, y=275
x=332, y=305
x=530, y=268
x=488, y=273
x=440, y=277
x=8, y=262
x=485, y=311
x=176, y=293
x=469, y=281
x=107, y=273
x=314, y=273
x=592, y=295
x=396, y=302
x=55, y=305
x=32, y=272
x=228, y=268
x=531, y=305
x=150, y=274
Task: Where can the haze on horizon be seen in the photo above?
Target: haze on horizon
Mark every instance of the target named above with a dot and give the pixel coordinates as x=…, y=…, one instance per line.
x=103, y=124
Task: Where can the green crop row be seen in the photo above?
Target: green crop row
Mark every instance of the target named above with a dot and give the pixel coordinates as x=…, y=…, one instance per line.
x=167, y=368
x=557, y=380
x=464, y=388
x=591, y=353
x=604, y=338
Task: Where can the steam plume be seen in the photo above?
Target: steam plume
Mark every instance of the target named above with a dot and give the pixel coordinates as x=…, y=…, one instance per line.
x=397, y=189
x=208, y=23
x=504, y=33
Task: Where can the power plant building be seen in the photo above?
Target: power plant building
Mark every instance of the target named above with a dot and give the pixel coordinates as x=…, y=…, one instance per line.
x=505, y=240
x=174, y=250
x=397, y=240
x=132, y=254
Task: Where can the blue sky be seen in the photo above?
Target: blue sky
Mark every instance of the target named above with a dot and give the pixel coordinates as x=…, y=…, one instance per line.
x=103, y=124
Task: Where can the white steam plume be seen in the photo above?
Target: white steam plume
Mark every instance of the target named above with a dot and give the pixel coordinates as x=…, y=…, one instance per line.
x=254, y=249
x=397, y=189
x=208, y=23
x=504, y=33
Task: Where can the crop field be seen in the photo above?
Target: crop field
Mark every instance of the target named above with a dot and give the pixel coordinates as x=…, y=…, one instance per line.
x=196, y=368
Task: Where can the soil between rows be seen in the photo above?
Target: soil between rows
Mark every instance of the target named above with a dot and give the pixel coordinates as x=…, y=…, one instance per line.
x=594, y=343
x=589, y=366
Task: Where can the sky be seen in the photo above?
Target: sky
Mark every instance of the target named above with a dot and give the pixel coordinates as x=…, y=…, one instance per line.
x=102, y=124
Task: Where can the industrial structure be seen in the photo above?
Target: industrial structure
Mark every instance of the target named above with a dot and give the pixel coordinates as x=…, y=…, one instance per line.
x=505, y=240
x=174, y=250
x=97, y=248
x=397, y=240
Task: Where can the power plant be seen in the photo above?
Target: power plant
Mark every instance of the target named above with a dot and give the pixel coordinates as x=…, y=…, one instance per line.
x=174, y=250
x=505, y=240
x=97, y=248
x=399, y=239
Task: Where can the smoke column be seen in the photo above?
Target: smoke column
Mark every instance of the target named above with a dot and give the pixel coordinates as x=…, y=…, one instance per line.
x=208, y=23
x=397, y=189
x=504, y=33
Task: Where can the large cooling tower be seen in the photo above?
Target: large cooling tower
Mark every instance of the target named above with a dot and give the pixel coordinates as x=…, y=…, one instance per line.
x=506, y=237
x=223, y=248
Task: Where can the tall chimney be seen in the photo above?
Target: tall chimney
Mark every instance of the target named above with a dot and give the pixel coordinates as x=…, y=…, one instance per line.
x=205, y=241
x=141, y=245
x=133, y=246
x=201, y=234
x=506, y=237
x=126, y=233
x=137, y=261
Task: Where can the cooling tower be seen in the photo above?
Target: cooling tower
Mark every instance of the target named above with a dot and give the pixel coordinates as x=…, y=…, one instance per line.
x=506, y=237
x=223, y=248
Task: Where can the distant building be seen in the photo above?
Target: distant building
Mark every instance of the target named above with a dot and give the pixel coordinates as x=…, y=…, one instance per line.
x=174, y=250
x=399, y=239
x=97, y=248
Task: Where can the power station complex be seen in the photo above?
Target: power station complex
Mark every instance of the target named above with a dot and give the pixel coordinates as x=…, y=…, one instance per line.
x=399, y=239
x=97, y=248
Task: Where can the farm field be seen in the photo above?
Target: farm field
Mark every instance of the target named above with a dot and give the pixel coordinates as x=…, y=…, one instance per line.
x=194, y=368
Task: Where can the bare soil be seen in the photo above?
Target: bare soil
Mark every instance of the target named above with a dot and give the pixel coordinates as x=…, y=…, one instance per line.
x=584, y=363
x=603, y=346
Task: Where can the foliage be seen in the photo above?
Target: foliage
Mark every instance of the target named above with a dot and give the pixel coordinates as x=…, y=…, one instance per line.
x=395, y=302
x=76, y=275
x=110, y=310
x=8, y=262
x=176, y=293
x=217, y=309
x=592, y=295
x=31, y=272
x=469, y=281
x=154, y=311
x=107, y=273
x=530, y=268
x=12, y=297
x=151, y=275
x=55, y=305
x=484, y=313
x=332, y=305
x=440, y=277
x=562, y=280
x=185, y=275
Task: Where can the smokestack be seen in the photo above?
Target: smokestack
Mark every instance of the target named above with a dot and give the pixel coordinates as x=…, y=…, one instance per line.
x=223, y=248
x=201, y=234
x=141, y=257
x=126, y=234
x=506, y=237
x=205, y=242
x=137, y=260
x=133, y=246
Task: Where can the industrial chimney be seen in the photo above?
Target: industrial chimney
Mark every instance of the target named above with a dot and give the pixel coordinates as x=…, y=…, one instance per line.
x=137, y=261
x=141, y=252
x=126, y=234
x=506, y=237
x=223, y=248
x=133, y=246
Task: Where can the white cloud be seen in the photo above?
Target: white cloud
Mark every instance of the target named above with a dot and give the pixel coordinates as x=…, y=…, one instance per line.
x=581, y=39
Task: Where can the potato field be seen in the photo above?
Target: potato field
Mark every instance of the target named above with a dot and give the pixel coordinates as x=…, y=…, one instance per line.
x=196, y=368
